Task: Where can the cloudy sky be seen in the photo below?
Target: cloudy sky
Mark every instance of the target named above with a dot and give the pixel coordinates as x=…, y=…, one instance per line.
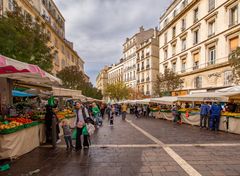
x=98, y=28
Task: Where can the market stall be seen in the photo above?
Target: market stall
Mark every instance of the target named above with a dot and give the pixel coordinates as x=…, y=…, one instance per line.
x=190, y=108
x=21, y=128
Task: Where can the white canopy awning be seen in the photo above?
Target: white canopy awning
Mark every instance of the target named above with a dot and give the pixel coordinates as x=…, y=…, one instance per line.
x=165, y=100
x=61, y=92
x=208, y=96
x=230, y=89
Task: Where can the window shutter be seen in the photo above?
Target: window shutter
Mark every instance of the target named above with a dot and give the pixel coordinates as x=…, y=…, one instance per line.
x=233, y=44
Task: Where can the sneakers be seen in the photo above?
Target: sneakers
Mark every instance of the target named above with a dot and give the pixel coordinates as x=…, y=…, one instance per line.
x=58, y=141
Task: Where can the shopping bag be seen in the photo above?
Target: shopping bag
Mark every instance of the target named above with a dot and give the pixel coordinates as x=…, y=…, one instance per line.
x=74, y=134
x=85, y=131
x=90, y=129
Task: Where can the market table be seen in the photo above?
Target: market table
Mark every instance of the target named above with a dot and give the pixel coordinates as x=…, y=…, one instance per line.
x=16, y=144
x=194, y=119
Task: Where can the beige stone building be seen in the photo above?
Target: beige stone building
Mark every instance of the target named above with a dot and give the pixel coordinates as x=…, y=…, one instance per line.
x=115, y=73
x=130, y=56
x=54, y=26
x=195, y=40
x=148, y=65
x=102, y=79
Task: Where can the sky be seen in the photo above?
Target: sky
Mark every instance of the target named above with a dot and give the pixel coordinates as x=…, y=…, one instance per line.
x=98, y=28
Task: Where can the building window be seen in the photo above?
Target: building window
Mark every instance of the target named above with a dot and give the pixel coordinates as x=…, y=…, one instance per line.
x=174, y=66
x=212, y=55
x=173, y=49
x=211, y=5
x=211, y=28
x=198, y=82
x=165, y=54
x=183, y=24
x=196, y=37
x=195, y=15
x=196, y=61
x=63, y=63
x=183, y=69
x=228, y=78
x=165, y=38
x=184, y=44
x=174, y=32
x=184, y=3
x=233, y=44
x=11, y=4
x=174, y=13
x=142, y=65
x=233, y=15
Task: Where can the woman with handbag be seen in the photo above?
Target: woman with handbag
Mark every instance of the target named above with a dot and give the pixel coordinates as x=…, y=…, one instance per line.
x=80, y=123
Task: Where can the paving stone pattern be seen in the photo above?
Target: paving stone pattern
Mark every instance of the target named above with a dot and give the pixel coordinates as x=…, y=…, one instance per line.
x=143, y=160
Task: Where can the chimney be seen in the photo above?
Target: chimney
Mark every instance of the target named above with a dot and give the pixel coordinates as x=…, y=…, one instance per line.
x=141, y=29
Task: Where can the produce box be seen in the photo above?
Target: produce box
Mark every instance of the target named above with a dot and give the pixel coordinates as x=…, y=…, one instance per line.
x=12, y=130
x=28, y=125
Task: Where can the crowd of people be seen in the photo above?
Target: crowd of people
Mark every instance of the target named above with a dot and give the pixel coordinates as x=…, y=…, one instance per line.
x=89, y=116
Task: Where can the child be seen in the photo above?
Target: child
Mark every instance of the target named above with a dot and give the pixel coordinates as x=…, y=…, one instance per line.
x=67, y=133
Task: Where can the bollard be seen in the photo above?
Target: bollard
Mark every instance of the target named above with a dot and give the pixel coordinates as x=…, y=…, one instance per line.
x=54, y=132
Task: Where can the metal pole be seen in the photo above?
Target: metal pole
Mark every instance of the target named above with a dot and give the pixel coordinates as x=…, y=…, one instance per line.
x=54, y=132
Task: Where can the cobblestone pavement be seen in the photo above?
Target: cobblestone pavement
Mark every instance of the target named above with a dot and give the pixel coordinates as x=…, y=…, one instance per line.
x=146, y=147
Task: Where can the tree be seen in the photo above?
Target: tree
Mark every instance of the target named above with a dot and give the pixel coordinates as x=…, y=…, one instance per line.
x=73, y=78
x=117, y=91
x=24, y=40
x=167, y=82
x=234, y=59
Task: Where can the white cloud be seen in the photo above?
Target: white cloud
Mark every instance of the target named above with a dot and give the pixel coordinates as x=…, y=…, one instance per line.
x=98, y=28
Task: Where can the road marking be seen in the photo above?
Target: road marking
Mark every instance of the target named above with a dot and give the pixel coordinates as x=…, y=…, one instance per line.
x=151, y=145
x=111, y=146
x=204, y=145
x=182, y=163
x=146, y=134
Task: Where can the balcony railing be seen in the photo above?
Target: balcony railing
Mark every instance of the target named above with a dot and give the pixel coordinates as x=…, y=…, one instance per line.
x=142, y=80
x=147, y=66
x=147, y=54
x=138, y=81
x=147, y=92
x=138, y=69
x=147, y=79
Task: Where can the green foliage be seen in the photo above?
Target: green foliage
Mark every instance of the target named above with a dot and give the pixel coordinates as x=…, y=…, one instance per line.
x=234, y=59
x=117, y=91
x=72, y=78
x=167, y=82
x=24, y=40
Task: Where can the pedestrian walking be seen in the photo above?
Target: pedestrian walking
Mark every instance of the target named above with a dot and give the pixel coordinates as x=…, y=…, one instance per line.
x=67, y=134
x=136, y=111
x=112, y=116
x=144, y=110
x=215, y=113
x=124, y=111
x=102, y=109
x=79, y=123
x=97, y=115
x=204, y=113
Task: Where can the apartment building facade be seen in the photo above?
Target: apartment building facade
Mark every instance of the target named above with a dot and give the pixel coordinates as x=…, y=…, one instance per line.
x=54, y=26
x=115, y=73
x=102, y=79
x=195, y=40
x=130, y=56
x=148, y=65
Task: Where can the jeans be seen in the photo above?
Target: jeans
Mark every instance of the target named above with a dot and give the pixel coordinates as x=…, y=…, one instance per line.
x=68, y=140
x=214, y=122
x=98, y=119
x=78, y=139
x=203, y=120
x=124, y=115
